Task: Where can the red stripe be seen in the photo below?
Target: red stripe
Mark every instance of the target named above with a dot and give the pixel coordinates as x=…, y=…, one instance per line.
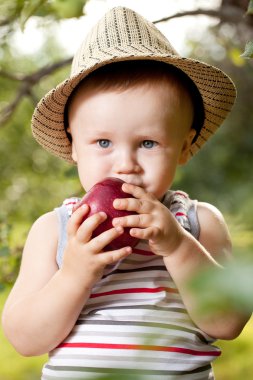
x=110, y=346
x=180, y=214
x=135, y=290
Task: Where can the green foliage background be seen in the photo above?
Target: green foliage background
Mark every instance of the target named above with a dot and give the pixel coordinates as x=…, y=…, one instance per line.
x=32, y=180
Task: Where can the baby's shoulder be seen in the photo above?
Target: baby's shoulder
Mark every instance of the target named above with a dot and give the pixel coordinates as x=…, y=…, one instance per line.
x=41, y=246
x=208, y=213
x=214, y=233
x=47, y=220
x=45, y=227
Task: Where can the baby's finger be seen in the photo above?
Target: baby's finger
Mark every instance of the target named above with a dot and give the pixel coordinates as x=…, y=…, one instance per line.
x=89, y=225
x=135, y=220
x=140, y=206
x=76, y=219
x=98, y=243
x=112, y=257
x=149, y=233
x=136, y=191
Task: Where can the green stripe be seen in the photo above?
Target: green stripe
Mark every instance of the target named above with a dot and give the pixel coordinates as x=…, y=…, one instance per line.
x=131, y=280
x=121, y=371
x=146, y=307
x=142, y=324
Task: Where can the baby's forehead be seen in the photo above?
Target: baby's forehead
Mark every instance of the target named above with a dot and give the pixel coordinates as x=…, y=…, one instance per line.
x=143, y=109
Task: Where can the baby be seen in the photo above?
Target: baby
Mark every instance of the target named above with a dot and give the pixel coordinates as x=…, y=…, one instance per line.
x=132, y=109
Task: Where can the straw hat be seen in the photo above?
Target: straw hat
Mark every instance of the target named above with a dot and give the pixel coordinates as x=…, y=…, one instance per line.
x=121, y=35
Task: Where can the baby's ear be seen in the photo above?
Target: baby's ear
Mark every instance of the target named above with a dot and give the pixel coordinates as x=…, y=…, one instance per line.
x=185, y=152
x=73, y=154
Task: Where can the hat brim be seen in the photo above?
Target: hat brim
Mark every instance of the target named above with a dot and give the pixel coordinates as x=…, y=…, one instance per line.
x=216, y=88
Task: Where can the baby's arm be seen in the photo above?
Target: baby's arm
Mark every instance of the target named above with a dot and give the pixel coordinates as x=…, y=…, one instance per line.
x=183, y=255
x=191, y=257
x=46, y=301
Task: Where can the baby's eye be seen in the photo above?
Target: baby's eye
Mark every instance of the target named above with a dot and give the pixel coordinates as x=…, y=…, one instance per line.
x=148, y=144
x=104, y=143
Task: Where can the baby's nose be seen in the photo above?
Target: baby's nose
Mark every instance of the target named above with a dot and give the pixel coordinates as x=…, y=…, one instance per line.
x=127, y=163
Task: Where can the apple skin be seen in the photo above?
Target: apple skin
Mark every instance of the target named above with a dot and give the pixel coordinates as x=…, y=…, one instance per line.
x=100, y=198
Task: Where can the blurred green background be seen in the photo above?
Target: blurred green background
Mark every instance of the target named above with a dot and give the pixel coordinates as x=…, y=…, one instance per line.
x=31, y=179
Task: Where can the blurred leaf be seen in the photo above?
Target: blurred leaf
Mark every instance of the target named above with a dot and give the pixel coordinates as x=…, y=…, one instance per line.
x=248, y=53
x=250, y=7
x=4, y=251
x=29, y=8
x=71, y=172
x=236, y=58
x=231, y=286
x=68, y=9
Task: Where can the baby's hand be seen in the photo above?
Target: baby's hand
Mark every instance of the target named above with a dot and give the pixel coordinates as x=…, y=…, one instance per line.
x=84, y=258
x=153, y=222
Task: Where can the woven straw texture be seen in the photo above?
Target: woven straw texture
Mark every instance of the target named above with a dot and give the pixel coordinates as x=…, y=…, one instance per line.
x=121, y=35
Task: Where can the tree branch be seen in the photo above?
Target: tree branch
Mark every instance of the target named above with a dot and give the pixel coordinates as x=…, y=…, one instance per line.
x=11, y=76
x=44, y=71
x=225, y=14
x=7, y=21
x=27, y=83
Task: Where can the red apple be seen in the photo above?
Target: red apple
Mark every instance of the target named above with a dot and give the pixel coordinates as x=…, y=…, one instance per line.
x=100, y=198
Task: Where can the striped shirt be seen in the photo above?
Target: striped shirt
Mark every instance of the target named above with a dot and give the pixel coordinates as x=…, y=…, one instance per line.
x=134, y=323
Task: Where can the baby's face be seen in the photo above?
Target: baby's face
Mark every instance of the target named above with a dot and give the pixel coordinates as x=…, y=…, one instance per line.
x=139, y=135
